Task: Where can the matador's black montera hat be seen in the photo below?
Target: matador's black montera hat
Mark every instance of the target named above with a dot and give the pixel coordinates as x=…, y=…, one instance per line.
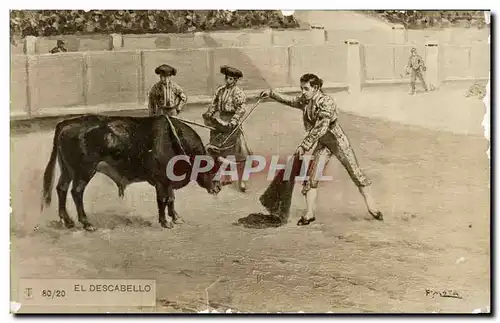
x=166, y=70
x=231, y=71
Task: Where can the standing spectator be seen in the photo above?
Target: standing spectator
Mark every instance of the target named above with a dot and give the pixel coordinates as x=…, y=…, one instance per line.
x=416, y=67
x=59, y=48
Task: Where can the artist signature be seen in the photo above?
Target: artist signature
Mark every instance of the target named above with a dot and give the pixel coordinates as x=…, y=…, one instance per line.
x=446, y=293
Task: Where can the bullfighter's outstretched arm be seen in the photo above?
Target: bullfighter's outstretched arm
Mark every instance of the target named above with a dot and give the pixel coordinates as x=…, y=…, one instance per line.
x=291, y=101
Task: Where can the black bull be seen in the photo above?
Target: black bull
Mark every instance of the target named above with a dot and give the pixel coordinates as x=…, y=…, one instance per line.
x=128, y=150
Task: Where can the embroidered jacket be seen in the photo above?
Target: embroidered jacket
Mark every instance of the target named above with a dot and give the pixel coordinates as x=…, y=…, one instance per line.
x=319, y=115
x=163, y=96
x=230, y=101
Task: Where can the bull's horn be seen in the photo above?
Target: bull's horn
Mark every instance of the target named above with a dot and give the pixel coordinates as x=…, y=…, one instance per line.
x=225, y=160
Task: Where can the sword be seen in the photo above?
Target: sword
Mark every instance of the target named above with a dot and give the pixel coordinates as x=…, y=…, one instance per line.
x=241, y=122
x=192, y=122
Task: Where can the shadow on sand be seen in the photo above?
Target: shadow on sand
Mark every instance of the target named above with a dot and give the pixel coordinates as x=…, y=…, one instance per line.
x=260, y=221
x=106, y=220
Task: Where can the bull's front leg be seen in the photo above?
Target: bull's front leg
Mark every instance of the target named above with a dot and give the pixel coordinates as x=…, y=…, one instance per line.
x=171, y=208
x=162, y=199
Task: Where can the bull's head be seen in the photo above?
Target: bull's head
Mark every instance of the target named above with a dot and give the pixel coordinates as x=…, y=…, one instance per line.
x=208, y=179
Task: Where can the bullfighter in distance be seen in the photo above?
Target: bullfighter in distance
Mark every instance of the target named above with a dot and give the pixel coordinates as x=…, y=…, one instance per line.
x=415, y=68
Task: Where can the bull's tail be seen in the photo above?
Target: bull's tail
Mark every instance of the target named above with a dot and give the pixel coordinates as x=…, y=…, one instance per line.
x=48, y=175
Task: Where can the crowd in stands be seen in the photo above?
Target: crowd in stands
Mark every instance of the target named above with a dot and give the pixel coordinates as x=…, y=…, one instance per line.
x=67, y=22
x=64, y=22
x=416, y=19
